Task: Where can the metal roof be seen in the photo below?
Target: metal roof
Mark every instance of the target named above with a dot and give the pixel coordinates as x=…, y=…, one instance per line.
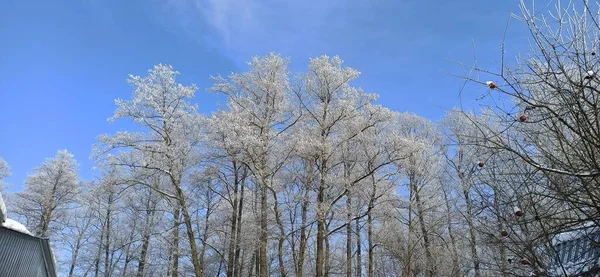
x=22, y=255
x=578, y=251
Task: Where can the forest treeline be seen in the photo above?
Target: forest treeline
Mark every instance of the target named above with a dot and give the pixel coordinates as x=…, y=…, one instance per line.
x=302, y=174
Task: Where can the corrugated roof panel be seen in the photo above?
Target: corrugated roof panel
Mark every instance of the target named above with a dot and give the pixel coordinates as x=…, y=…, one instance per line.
x=48, y=257
x=22, y=255
x=577, y=253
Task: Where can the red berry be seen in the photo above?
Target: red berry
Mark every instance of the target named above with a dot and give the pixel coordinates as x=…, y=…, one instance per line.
x=519, y=213
x=522, y=118
x=492, y=85
x=504, y=233
x=480, y=164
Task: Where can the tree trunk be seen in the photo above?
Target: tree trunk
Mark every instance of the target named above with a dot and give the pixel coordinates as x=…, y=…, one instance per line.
x=327, y=252
x=45, y=223
x=187, y=220
x=173, y=269
x=358, y=250
x=408, y=268
x=111, y=262
x=348, y=236
x=233, y=228
x=281, y=238
x=108, y=215
x=143, y=256
x=303, y=235
x=145, y=242
x=98, y=254
x=128, y=255
x=472, y=241
x=466, y=188
x=262, y=250
x=503, y=265
x=429, y=265
x=220, y=267
x=370, y=239
x=75, y=254
x=238, y=237
x=257, y=261
x=455, y=261
x=205, y=230
x=252, y=262
x=370, y=227
x=175, y=179
x=321, y=222
x=47, y=211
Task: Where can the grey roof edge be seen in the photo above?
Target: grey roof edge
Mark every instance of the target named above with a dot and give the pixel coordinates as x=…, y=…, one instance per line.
x=2, y=210
x=49, y=261
x=48, y=257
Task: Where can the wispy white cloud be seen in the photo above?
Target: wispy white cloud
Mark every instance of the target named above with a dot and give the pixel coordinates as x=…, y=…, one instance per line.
x=234, y=21
x=378, y=32
x=248, y=27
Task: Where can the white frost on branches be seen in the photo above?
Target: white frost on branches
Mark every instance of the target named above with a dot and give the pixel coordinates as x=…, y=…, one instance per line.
x=4, y=172
x=48, y=192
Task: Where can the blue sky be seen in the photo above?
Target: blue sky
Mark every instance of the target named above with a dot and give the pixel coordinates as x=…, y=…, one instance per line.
x=62, y=63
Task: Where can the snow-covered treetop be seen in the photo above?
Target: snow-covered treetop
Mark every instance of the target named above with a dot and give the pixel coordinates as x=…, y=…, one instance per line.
x=62, y=170
x=4, y=172
x=329, y=98
x=156, y=97
x=261, y=94
x=51, y=187
x=171, y=124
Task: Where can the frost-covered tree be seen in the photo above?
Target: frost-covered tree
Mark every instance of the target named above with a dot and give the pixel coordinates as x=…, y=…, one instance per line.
x=49, y=192
x=105, y=199
x=307, y=176
x=333, y=114
x=374, y=182
x=422, y=172
x=165, y=145
x=544, y=116
x=259, y=101
x=4, y=172
x=76, y=238
x=225, y=153
x=465, y=159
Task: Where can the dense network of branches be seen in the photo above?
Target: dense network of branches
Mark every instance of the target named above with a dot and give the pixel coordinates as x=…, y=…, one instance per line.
x=302, y=174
